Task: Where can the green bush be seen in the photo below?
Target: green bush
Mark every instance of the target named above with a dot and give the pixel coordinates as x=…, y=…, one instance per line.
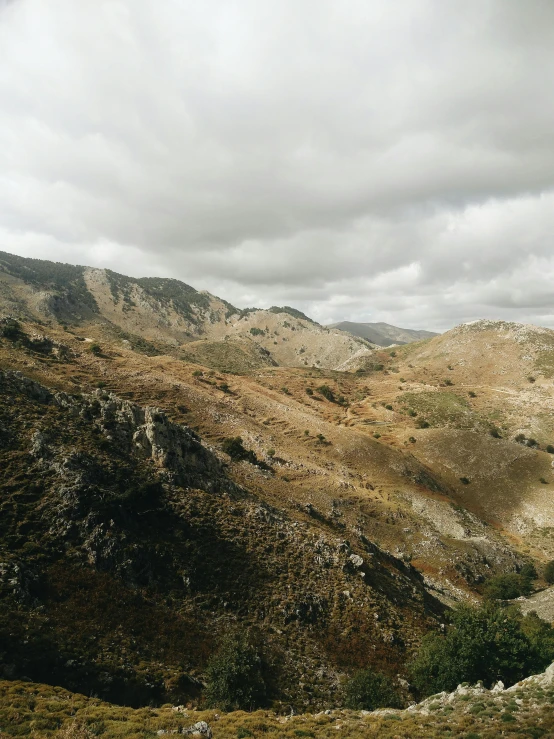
x=235, y=676
x=548, y=572
x=11, y=329
x=257, y=331
x=507, y=586
x=326, y=391
x=529, y=570
x=234, y=447
x=489, y=643
x=369, y=690
x=96, y=349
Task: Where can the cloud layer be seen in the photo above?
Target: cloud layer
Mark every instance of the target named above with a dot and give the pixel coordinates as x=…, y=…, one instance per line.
x=361, y=161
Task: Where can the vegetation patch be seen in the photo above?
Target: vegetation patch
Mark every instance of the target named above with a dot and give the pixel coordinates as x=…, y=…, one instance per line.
x=440, y=408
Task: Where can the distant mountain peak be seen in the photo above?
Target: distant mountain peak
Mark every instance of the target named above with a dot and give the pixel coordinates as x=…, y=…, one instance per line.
x=383, y=334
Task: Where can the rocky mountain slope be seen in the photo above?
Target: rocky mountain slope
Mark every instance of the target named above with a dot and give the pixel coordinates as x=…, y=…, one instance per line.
x=382, y=334
x=162, y=315
x=118, y=519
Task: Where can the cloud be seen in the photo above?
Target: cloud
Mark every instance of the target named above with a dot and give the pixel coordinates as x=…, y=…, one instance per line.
x=365, y=161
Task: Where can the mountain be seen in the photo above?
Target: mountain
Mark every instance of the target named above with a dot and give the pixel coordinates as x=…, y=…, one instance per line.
x=382, y=334
x=173, y=471
x=159, y=316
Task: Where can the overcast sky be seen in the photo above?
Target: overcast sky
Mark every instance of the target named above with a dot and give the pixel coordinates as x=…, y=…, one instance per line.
x=362, y=160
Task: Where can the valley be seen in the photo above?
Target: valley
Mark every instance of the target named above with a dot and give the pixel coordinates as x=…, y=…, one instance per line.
x=384, y=486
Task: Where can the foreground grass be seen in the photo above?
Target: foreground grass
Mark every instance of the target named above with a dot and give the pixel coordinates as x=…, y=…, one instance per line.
x=32, y=710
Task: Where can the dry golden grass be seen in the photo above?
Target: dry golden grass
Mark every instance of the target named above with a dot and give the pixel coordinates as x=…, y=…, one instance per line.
x=30, y=710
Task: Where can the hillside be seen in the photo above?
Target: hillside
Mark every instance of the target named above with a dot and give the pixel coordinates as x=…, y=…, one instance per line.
x=103, y=497
x=382, y=334
x=365, y=502
x=161, y=315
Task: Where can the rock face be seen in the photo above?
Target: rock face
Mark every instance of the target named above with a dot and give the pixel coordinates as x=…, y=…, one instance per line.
x=175, y=450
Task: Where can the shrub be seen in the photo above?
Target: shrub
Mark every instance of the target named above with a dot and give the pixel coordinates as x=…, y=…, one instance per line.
x=233, y=446
x=388, y=407
x=465, y=480
x=327, y=393
x=529, y=570
x=495, y=432
x=412, y=440
x=489, y=643
x=11, y=329
x=507, y=586
x=235, y=676
x=225, y=387
x=309, y=391
x=421, y=423
x=448, y=381
x=531, y=379
x=96, y=349
x=550, y=448
x=320, y=438
x=472, y=394
x=257, y=331
x=368, y=690
x=548, y=572
x=197, y=373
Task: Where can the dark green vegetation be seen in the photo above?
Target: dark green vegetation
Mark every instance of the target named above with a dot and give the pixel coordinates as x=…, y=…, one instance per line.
x=127, y=552
x=508, y=586
x=237, y=675
x=167, y=292
x=489, y=643
x=235, y=448
x=368, y=690
x=292, y=312
x=66, y=280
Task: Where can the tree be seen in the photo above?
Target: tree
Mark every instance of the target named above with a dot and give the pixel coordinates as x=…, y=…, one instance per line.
x=235, y=676
x=507, y=586
x=369, y=690
x=487, y=643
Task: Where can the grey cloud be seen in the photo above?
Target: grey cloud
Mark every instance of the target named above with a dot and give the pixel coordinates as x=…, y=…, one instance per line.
x=365, y=161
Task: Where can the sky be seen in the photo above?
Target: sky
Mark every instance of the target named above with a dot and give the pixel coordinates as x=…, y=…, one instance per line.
x=362, y=160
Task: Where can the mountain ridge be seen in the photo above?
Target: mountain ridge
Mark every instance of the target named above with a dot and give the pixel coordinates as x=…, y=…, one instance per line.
x=383, y=334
